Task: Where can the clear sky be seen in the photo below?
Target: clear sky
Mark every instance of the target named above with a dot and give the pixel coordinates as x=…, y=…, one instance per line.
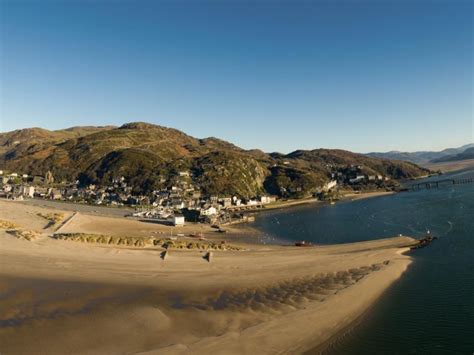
x=276, y=75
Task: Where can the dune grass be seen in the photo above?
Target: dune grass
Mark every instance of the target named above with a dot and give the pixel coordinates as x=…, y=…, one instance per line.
x=141, y=242
x=13, y=229
x=23, y=234
x=7, y=225
x=52, y=218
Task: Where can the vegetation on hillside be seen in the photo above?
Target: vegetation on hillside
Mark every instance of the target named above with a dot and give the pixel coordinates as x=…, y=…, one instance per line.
x=150, y=157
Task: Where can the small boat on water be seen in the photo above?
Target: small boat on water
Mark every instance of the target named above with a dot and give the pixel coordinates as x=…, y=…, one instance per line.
x=303, y=243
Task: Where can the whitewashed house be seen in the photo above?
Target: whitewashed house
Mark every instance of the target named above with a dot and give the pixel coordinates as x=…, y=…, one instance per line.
x=226, y=202
x=28, y=191
x=209, y=211
x=178, y=220
x=267, y=199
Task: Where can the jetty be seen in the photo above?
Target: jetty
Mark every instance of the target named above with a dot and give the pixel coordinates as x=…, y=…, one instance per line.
x=423, y=242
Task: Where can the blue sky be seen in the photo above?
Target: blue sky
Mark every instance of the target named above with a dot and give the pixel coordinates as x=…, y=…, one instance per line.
x=275, y=75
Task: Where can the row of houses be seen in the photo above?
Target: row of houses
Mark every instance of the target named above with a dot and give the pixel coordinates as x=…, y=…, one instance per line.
x=166, y=203
x=181, y=198
x=355, y=174
x=367, y=178
x=213, y=210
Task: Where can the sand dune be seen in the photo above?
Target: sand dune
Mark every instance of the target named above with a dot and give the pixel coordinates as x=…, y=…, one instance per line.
x=65, y=297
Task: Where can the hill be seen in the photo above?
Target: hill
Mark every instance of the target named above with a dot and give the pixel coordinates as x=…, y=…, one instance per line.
x=151, y=157
x=420, y=157
x=465, y=155
x=29, y=140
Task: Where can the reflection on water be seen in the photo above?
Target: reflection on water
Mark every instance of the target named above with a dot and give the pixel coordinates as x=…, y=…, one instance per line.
x=431, y=308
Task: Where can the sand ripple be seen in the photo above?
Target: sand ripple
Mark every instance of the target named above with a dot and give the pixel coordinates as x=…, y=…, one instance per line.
x=285, y=296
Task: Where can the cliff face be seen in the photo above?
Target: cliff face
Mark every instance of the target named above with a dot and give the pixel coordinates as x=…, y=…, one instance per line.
x=151, y=156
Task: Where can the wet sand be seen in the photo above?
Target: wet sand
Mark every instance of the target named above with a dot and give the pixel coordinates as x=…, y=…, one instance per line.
x=69, y=297
x=363, y=195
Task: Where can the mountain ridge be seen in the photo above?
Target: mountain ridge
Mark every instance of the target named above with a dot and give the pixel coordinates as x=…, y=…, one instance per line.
x=465, y=155
x=420, y=157
x=151, y=156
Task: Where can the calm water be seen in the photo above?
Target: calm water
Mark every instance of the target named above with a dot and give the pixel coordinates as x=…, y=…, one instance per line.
x=430, y=310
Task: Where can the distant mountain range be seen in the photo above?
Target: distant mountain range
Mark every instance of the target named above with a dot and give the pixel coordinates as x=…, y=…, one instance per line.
x=423, y=157
x=465, y=155
x=150, y=157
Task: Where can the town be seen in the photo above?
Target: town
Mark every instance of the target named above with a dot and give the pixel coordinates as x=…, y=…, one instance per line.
x=181, y=200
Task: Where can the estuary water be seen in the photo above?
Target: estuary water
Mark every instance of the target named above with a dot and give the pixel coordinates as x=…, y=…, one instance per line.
x=430, y=309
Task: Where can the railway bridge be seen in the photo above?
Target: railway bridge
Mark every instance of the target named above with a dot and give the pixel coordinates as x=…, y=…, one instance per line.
x=440, y=183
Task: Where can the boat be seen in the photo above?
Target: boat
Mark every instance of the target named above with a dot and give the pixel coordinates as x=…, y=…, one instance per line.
x=303, y=243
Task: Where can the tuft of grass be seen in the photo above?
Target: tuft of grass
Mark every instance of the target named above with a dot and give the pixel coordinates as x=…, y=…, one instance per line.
x=7, y=225
x=52, y=218
x=14, y=230
x=23, y=234
x=139, y=242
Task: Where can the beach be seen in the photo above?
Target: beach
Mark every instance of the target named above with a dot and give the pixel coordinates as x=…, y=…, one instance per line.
x=63, y=296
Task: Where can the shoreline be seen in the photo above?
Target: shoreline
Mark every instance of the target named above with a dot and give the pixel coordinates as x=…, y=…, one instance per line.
x=240, y=232
x=258, y=331
x=348, y=197
x=353, y=324
x=307, y=323
x=366, y=195
x=352, y=196
x=121, y=211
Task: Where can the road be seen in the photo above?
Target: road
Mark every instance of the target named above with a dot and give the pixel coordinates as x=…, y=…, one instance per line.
x=87, y=209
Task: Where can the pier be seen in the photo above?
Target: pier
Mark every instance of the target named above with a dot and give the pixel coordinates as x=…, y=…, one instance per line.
x=423, y=242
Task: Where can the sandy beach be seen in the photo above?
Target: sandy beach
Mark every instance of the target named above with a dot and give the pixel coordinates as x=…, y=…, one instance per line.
x=353, y=196
x=71, y=297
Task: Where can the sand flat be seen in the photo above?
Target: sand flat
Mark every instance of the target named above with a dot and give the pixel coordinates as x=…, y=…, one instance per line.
x=60, y=296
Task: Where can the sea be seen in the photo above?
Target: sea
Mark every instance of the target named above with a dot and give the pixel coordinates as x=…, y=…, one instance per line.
x=430, y=309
